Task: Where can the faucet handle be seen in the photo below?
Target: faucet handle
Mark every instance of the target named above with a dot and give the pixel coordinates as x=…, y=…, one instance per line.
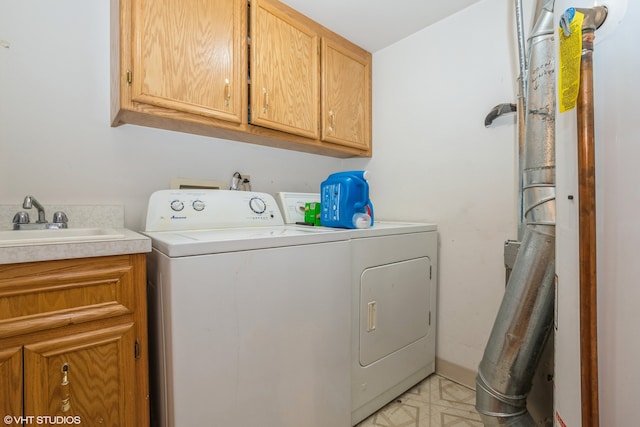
x=60, y=218
x=21, y=218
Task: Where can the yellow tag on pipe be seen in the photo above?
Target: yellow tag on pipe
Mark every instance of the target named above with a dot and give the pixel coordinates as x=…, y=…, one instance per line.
x=570, y=54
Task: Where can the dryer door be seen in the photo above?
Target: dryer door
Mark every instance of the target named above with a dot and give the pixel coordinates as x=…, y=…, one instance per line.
x=394, y=307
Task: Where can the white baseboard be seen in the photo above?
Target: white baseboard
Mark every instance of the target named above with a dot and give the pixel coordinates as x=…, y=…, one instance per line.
x=456, y=373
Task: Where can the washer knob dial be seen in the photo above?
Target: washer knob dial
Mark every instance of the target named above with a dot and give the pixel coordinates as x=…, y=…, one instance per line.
x=177, y=205
x=198, y=205
x=257, y=205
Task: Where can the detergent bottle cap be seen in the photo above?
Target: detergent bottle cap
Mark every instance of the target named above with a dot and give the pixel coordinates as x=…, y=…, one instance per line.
x=361, y=220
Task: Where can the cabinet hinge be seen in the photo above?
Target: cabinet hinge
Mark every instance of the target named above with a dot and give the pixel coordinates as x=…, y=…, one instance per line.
x=136, y=349
x=129, y=78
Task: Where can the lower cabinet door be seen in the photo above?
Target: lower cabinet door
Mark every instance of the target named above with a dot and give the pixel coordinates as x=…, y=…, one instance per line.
x=11, y=384
x=83, y=379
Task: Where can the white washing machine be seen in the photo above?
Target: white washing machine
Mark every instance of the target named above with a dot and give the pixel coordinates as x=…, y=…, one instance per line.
x=394, y=285
x=249, y=318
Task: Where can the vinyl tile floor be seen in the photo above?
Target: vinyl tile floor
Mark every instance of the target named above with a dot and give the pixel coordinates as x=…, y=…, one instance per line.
x=434, y=402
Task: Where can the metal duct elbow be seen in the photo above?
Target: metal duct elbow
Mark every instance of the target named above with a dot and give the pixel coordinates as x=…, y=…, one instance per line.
x=525, y=316
x=517, y=339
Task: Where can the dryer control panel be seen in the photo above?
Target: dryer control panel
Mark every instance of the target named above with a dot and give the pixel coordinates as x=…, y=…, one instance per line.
x=171, y=210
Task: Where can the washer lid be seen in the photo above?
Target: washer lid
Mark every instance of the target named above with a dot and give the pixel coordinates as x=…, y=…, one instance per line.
x=202, y=242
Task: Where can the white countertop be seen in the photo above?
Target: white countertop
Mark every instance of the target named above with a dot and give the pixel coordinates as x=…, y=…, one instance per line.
x=80, y=216
x=130, y=243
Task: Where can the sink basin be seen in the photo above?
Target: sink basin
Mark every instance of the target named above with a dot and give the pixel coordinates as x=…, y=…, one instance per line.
x=66, y=235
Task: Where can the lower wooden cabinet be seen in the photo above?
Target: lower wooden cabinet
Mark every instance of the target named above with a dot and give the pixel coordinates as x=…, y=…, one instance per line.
x=11, y=381
x=73, y=346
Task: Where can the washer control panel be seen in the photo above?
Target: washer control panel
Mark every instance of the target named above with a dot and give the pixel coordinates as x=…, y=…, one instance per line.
x=170, y=210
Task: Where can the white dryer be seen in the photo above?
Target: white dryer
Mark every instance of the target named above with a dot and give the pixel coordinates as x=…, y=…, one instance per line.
x=249, y=318
x=393, y=338
x=394, y=270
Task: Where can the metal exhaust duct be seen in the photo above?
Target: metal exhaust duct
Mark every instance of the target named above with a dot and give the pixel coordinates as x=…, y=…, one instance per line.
x=521, y=108
x=525, y=316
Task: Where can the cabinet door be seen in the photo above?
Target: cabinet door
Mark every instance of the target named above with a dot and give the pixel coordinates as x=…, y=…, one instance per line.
x=284, y=71
x=190, y=56
x=11, y=382
x=346, y=95
x=88, y=376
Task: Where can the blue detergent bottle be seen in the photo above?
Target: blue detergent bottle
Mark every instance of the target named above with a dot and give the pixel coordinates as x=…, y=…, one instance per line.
x=344, y=200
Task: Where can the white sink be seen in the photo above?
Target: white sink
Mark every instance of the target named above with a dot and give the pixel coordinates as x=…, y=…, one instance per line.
x=65, y=235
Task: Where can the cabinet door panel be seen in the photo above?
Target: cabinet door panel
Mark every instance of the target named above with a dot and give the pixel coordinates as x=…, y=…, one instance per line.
x=189, y=56
x=89, y=375
x=284, y=72
x=346, y=96
x=11, y=382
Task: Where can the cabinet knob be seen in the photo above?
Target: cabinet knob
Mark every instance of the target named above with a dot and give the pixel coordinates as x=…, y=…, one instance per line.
x=265, y=100
x=227, y=92
x=332, y=121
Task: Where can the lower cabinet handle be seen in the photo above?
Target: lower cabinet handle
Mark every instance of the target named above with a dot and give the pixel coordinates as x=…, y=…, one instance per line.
x=65, y=404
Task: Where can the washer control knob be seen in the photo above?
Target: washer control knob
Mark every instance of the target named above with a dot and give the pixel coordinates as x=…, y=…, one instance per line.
x=198, y=205
x=177, y=205
x=257, y=205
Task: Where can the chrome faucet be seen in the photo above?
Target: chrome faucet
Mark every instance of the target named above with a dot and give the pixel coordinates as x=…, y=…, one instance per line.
x=21, y=219
x=31, y=201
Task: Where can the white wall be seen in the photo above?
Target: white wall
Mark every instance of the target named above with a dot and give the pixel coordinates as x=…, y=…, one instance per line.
x=433, y=158
x=56, y=142
x=435, y=161
x=616, y=89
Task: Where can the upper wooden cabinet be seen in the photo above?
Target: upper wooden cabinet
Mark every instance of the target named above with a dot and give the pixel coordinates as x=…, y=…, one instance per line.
x=252, y=72
x=346, y=95
x=285, y=88
x=188, y=56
